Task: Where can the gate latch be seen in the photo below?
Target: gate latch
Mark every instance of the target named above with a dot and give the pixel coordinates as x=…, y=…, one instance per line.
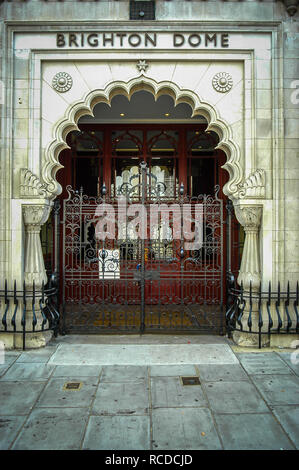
x=148, y=275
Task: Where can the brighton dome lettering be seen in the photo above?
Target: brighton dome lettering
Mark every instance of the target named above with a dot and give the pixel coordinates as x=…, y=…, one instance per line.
x=146, y=39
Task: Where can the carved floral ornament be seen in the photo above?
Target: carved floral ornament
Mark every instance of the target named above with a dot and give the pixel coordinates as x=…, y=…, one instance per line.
x=253, y=186
x=222, y=82
x=31, y=186
x=62, y=82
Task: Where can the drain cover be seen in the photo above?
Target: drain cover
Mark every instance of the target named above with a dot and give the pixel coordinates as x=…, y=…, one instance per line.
x=190, y=380
x=72, y=385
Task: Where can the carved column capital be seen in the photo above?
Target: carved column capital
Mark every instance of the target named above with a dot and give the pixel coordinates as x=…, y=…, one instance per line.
x=249, y=216
x=36, y=214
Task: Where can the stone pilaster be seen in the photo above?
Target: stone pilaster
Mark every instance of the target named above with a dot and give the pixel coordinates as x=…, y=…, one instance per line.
x=35, y=215
x=249, y=216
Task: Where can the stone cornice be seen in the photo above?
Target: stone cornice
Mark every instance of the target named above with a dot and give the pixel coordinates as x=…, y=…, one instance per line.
x=156, y=25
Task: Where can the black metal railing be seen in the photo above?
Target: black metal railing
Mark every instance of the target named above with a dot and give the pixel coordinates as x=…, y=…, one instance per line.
x=29, y=310
x=262, y=312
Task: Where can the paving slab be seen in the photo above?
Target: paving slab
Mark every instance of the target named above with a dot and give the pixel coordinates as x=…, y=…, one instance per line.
x=3, y=369
x=77, y=371
x=184, y=370
x=292, y=359
x=234, y=397
x=263, y=363
x=288, y=416
x=18, y=399
x=143, y=354
x=220, y=373
x=278, y=389
x=169, y=392
x=251, y=432
x=38, y=355
x=124, y=373
x=11, y=356
x=28, y=371
x=54, y=394
x=53, y=429
x=184, y=429
x=117, y=433
x=9, y=427
x=121, y=398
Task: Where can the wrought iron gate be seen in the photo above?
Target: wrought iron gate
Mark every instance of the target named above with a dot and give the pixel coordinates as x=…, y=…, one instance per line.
x=142, y=275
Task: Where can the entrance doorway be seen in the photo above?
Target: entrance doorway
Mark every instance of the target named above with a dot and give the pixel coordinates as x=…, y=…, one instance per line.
x=154, y=283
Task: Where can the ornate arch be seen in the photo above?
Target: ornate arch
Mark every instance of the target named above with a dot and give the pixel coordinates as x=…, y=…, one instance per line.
x=85, y=106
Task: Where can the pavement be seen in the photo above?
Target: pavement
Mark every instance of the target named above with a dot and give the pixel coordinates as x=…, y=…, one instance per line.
x=128, y=393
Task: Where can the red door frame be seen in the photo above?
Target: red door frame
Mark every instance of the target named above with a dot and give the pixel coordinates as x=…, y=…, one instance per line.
x=65, y=177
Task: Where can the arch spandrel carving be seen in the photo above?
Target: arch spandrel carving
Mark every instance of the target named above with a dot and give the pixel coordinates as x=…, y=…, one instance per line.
x=85, y=106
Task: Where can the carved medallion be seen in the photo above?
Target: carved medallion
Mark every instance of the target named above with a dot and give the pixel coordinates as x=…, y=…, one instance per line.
x=222, y=82
x=62, y=82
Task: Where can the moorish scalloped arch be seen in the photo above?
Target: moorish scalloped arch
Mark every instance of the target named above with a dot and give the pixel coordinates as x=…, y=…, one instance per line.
x=85, y=106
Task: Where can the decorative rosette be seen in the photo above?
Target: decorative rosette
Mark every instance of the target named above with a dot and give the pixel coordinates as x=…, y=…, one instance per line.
x=62, y=82
x=222, y=82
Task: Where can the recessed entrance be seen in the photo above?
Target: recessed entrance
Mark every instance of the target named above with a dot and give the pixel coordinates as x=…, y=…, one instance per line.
x=156, y=282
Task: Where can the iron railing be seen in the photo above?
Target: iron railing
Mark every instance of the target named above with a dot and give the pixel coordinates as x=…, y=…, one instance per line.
x=262, y=312
x=29, y=310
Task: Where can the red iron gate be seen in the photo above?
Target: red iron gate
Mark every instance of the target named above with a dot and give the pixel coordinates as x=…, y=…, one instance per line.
x=150, y=283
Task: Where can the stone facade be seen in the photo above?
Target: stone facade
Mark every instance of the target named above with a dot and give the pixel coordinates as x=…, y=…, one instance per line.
x=235, y=63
